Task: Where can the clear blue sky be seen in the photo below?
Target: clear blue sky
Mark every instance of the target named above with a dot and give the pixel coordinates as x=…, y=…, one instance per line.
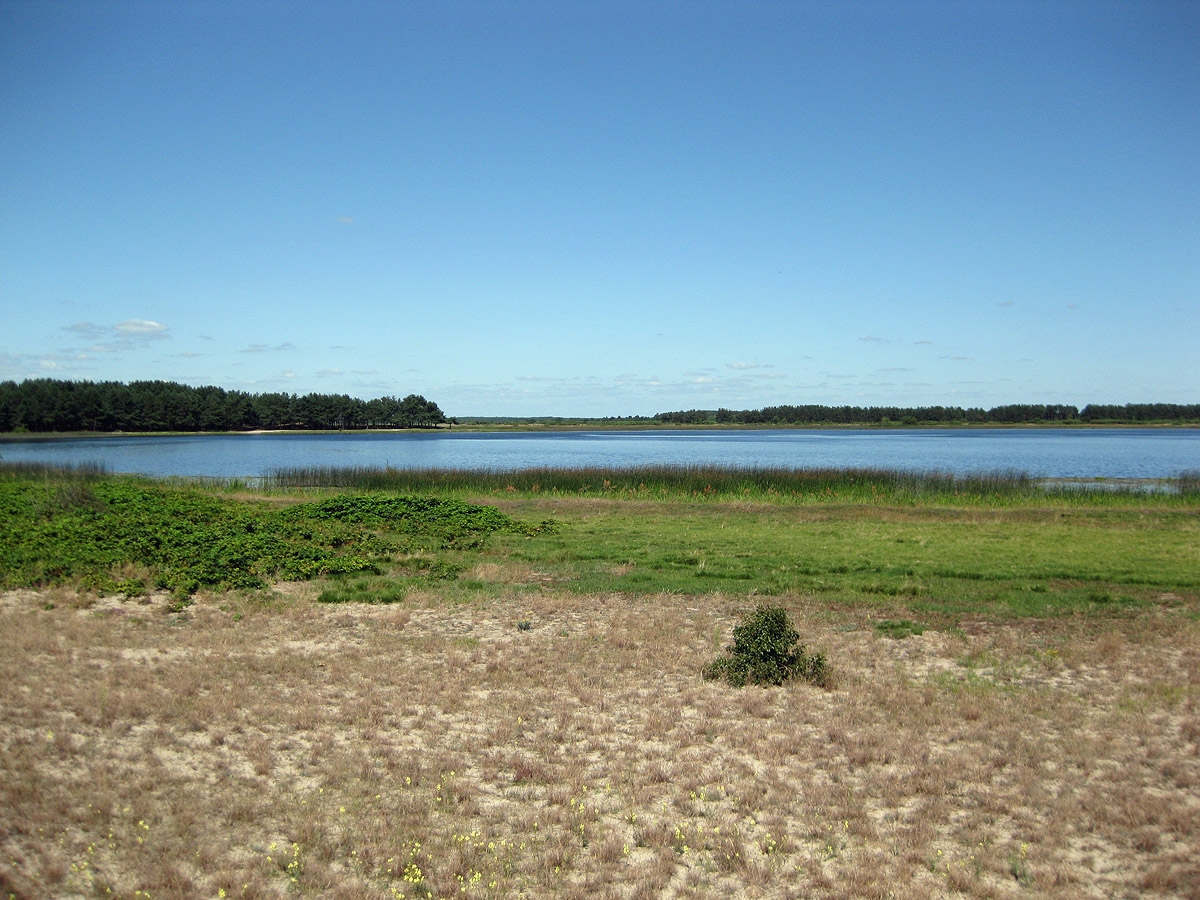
x=606, y=208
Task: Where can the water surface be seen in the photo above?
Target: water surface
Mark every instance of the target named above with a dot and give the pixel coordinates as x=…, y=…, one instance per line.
x=1041, y=452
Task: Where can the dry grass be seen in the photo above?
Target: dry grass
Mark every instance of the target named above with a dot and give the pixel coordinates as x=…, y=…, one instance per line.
x=268, y=748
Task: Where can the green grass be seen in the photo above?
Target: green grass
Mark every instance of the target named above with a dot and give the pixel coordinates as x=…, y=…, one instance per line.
x=848, y=542
x=1002, y=562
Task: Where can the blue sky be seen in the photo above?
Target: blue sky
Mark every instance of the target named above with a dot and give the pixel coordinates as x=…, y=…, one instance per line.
x=609, y=208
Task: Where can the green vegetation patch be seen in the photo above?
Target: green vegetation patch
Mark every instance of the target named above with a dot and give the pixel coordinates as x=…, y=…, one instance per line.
x=453, y=522
x=91, y=532
x=898, y=629
x=365, y=590
x=87, y=532
x=936, y=562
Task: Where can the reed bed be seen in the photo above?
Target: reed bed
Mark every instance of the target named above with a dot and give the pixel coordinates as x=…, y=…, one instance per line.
x=1188, y=482
x=23, y=469
x=674, y=480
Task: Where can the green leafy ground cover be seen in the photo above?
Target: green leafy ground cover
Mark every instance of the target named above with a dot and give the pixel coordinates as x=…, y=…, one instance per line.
x=113, y=535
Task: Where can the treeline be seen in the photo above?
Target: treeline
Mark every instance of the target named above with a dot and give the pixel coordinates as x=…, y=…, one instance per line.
x=43, y=404
x=1011, y=414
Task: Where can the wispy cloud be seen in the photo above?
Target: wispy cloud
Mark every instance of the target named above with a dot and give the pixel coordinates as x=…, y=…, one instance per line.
x=741, y=366
x=87, y=330
x=263, y=348
x=142, y=328
x=39, y=365
x=130, y=334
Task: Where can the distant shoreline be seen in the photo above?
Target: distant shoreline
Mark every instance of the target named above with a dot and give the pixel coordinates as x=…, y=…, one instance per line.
x=524, y=427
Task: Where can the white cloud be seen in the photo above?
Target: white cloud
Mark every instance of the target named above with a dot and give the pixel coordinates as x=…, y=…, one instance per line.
x=141, y=328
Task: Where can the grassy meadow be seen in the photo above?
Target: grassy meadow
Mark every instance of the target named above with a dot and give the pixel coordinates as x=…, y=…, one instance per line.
x=380, y=684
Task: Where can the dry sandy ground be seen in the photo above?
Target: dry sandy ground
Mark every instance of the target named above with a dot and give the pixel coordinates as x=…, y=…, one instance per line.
x=554, y=745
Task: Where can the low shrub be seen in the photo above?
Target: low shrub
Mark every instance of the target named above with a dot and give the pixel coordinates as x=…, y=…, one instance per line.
x=898, y=629
x=364, y=591
x=765, y=650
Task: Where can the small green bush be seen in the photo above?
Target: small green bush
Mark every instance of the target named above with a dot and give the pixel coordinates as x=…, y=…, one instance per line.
x=765, y=651
x=898, y=629
x=364, y=591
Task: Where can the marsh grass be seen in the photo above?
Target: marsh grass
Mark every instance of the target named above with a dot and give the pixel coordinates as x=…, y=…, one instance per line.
x=24, y=470
x=1188, y=483
x=652, y=481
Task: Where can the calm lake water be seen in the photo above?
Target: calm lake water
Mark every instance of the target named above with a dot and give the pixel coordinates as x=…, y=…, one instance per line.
x=1041, y=452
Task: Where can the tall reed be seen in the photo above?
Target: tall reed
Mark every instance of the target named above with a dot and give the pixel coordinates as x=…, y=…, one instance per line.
x=1188, y=483
x=691, y=480
x=12, y=469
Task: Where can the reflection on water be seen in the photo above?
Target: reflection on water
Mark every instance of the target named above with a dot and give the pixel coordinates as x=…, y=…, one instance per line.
x=1041, y=452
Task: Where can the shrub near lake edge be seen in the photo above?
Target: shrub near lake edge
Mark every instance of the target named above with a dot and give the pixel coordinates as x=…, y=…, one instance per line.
x=765, y=652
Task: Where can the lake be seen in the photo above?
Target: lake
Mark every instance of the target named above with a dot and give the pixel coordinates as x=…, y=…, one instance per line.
x=1041, y=452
